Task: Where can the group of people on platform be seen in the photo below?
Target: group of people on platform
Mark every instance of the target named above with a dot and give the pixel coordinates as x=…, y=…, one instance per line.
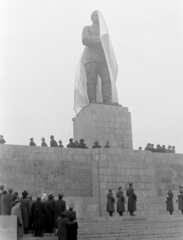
x=43, y=215
x=159, y=148
x=71, y=144
x=132, y=198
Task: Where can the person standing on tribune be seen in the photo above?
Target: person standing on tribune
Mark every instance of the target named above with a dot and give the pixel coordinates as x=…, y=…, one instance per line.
x=169, y=202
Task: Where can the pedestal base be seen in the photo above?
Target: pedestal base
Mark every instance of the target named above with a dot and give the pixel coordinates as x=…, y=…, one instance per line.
x=100, y=122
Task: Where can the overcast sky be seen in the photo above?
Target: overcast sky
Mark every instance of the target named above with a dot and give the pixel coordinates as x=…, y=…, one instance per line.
x=40, y=46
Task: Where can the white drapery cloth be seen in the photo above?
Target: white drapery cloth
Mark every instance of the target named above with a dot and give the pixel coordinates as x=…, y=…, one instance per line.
x=80, y=88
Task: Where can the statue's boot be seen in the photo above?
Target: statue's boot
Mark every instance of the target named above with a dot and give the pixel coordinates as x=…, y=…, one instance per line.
x=91, y=90
x=106, y=93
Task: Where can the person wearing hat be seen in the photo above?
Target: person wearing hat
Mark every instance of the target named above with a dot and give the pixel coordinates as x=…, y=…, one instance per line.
x=82, y=144
x=180, y=199
x=30, y=202
x=169, y=202
x=72, y=229
x=63, y=222
x=53, y=143
x=43, y=144
x=50, y=211
x=32, y=143
x=132, y=198
x=120, y=202
x=15, y=196
x=38, y=215
x=110, y=203
x=71, y=144
x=2, y=141
x=16, y=210
x=25, y=210
x=107, y=145
x=60, y=206
x=70, y=212
x=96, y=145
x=60, y=144
x=6, y=202
x=1, y=193
x=44, y=197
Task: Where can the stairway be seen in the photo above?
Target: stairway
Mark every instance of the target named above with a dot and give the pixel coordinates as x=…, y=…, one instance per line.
x=127, y=228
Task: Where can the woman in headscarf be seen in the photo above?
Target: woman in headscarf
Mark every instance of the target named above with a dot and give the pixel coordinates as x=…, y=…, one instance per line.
x=25, y=210
x=16, y=210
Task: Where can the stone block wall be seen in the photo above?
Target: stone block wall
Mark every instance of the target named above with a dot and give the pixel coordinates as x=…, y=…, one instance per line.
x=151, y=173
x=104, y=123
x=56, y=170
x=85, y=175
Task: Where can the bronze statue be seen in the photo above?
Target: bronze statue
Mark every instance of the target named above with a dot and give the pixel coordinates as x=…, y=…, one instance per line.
x=97, y=70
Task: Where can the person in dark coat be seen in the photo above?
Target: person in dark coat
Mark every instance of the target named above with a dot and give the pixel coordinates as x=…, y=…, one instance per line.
x=43, y=144
x=169, y=202
x=62, y=227
x=50, y=211
x=30, y=203
x=60, y=206
x=110, y=203
x=6, y=202
x=32, y=143
x=25, y=210
x=132, y=198
x=96, y=145
x=72, y=229
x=107, y=145
x=82, y=144
x=180, y=199
x=70, y=212
x=38, y=212
x=71, y=144
x=53, y=143
x=1, y=194
x=2, y=141
x=60, y=144
x=120, y=202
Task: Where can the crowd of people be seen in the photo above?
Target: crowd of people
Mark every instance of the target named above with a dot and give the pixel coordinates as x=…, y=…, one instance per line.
x=159, y=148
x=132, y=198
x=82, y=144
x=43, y=215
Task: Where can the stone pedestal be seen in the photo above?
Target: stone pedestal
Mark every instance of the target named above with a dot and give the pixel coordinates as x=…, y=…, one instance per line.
x=100, y=122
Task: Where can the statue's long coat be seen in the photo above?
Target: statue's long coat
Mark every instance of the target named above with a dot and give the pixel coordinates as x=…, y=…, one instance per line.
x=16, y=210
x=6, y=204
x=60, y=206
x=131, y=199
x=169, y=202
x=110, y=203
x=120, y=201
x=25, y=211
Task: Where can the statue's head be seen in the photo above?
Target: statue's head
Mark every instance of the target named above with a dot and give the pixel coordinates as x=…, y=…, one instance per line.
x=94, y=17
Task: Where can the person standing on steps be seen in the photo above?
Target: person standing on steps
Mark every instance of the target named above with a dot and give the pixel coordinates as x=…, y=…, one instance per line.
x=132, y=198
x=110, y=203
x=169, y=202
x=120, y=202
x=180, y=199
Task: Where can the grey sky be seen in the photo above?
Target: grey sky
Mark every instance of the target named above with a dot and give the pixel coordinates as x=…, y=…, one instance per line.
x=40, y=46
